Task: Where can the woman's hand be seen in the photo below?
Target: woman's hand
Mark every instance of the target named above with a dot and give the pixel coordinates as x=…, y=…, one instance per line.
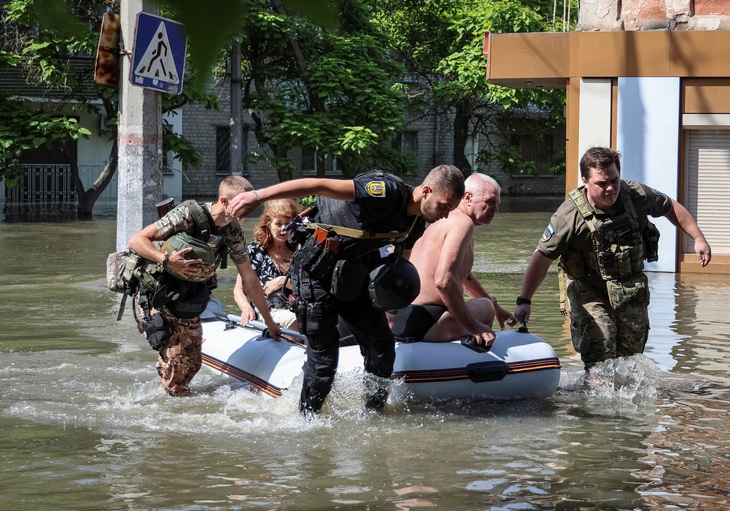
x=247, y=314
x=274, y=285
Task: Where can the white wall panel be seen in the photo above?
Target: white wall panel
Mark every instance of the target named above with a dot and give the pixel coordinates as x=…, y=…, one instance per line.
x=648, y=138
x=594, y=126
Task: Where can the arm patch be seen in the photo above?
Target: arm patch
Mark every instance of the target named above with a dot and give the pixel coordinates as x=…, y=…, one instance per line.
x=549, y=231
x=375, y=188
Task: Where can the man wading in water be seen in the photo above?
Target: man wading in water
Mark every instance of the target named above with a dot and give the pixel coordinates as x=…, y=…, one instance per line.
x=334, y=273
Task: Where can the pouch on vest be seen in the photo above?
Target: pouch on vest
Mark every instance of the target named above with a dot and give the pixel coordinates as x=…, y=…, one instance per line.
x=116, y=265
x=191, y=303
x=318, y=254
x=150, y=275
x=650, y=236
x=120, y=268
x=628, y=292
x=312, y=318
x=620, y=263
x=157, y=330
x=348, y=279
x=573, y=264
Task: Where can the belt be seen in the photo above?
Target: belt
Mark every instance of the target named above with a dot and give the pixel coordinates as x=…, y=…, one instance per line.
x=358, y=234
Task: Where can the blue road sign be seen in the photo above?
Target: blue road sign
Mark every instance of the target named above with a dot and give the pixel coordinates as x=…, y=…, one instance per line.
x=158, y=59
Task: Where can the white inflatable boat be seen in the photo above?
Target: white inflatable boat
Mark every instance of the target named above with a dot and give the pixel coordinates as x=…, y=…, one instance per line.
x=519, y=365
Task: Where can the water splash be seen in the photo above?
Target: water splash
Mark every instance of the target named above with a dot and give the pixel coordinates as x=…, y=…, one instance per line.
x=624, y=384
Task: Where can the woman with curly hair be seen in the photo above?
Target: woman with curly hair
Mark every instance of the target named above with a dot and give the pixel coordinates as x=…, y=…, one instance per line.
x=270, y=257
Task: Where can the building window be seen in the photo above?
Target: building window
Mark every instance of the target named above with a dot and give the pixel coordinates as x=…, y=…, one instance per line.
x=315, y=163
x=406, y=141
x=471, y=149
x=223, y=150
x=166, y=169
x=536, y=152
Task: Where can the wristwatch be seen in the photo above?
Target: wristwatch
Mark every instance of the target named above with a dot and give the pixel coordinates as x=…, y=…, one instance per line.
x=525, y=301
x=494, y=300
x=165, y=261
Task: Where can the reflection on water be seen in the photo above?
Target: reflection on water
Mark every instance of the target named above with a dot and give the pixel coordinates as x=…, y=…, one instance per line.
x=39, y=213
x=84, y=423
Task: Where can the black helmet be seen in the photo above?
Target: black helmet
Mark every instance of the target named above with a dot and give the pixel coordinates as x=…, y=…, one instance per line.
x=394, y=284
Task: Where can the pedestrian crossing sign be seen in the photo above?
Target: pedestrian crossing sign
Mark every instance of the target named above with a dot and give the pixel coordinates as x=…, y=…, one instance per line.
x=158, y=59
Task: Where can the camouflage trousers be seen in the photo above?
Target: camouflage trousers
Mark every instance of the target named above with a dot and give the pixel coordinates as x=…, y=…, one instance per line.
x=180, y=358
x=601, y=327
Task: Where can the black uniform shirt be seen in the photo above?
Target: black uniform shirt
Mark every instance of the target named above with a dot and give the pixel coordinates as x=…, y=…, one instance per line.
x=379, y=207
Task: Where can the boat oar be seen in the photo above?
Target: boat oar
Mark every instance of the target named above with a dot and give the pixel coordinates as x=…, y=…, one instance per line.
x=215, y=310
x=291, y=335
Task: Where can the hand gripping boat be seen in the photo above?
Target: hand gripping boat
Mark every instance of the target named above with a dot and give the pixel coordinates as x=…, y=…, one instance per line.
x=519, y=365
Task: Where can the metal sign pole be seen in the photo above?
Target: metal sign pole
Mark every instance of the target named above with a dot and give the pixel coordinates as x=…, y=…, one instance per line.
x=139, y=137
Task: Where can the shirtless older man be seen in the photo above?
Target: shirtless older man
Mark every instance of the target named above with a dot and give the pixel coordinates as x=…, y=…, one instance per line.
x=439, y=312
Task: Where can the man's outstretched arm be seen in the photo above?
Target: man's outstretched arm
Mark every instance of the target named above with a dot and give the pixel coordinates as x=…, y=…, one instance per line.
x=680, y=217
x=246, y=203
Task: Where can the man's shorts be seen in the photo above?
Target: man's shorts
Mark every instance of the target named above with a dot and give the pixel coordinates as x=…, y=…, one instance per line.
x=412, y=322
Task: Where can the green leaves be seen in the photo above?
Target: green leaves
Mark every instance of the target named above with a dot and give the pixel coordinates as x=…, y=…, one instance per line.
x=23, y=129
x=52, y=52
x=315, y=87
x=357, y=138
x=441, y=43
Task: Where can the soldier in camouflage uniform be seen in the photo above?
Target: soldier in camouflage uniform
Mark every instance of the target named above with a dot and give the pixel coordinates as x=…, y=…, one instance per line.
x=602, y=236
x=176, y=280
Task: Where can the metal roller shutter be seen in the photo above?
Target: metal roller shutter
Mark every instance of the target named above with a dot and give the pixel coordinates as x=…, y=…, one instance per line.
x=707, y=189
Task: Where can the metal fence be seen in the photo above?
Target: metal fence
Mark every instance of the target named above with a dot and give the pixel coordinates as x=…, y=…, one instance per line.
x=43, y=184
x=52, y=184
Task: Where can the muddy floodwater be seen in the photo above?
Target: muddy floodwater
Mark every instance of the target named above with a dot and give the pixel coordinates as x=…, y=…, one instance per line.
x=85, y=425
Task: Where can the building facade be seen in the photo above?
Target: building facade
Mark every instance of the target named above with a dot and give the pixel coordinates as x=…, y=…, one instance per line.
x=660, y=97
x=429, y=138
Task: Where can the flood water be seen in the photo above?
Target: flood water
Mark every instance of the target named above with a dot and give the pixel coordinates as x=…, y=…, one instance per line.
x=85, y=424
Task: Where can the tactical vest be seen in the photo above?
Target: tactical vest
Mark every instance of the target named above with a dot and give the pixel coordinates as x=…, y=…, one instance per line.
x=618, y=248
x=206, y=246
x=367, y=234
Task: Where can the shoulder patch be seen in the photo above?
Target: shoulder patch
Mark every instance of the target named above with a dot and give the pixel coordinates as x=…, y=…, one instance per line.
x=549, y=231
x=375, y=188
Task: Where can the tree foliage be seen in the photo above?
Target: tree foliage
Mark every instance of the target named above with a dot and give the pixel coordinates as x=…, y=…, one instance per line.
x=53, y=45
x=441, y=43
x=24, y=127
x=332, y=75
x=310, y=86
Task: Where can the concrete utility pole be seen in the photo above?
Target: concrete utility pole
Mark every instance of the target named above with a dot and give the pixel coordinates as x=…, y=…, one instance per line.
x=139, y=137
x=236, y=140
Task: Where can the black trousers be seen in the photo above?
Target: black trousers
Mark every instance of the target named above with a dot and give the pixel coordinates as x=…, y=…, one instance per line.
x=318, y=313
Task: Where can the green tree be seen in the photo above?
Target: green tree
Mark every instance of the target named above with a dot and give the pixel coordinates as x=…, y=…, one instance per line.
x=316, y=76
x=306, y=85
x=57, y=58
x=441, y=42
